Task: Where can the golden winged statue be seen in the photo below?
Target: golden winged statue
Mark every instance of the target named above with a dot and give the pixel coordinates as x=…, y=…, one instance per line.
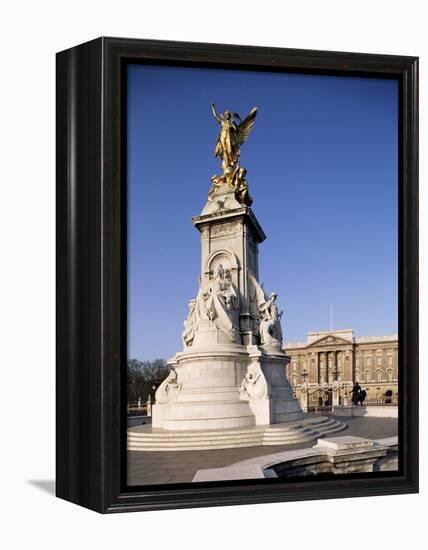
x=233, y=132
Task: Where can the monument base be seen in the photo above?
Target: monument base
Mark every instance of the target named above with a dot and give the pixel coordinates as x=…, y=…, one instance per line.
x=206, y=392
x=227, y=386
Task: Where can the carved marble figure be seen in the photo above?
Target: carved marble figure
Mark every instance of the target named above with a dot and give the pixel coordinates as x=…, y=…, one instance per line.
x=254, y=385
x=270, y=324
x=189, y=325
x=169, y=387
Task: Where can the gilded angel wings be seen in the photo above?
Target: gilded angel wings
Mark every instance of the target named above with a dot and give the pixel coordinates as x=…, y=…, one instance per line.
x=244, y=128
x=233, y=132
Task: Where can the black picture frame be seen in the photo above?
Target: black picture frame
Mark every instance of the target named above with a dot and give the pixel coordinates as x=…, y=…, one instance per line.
x=91, y=253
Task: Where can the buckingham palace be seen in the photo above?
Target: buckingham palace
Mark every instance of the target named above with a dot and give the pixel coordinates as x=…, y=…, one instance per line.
x=329, y=362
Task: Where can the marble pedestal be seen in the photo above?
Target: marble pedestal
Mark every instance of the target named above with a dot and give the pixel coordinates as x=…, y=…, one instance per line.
x=208, y=395
x=226, y=386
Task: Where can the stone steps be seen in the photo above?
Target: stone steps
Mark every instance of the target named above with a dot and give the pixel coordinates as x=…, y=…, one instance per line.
x=304, y=435
x=194, y=446
x=288, y=429
x=298, y=427
x=146, y=439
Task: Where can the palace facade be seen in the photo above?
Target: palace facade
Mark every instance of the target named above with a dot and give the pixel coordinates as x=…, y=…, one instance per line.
x=337, y=355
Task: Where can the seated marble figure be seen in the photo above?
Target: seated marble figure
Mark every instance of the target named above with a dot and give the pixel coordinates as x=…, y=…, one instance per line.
x=218, y=303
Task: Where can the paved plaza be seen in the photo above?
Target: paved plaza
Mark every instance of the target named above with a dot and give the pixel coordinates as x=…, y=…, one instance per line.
x=153, y=467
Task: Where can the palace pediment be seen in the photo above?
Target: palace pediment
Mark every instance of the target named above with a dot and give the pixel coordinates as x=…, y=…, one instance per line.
x=330, y=341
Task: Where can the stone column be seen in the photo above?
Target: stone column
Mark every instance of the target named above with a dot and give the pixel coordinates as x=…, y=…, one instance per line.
x=326, y=367
x=350, y=375
x=313, y=368
x=335, y=366
x=317, y=367
x=323, y=367
x=341, y=367
x=330, y=366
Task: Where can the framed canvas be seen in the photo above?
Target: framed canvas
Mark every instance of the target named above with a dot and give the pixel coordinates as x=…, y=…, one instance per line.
x=237, y=275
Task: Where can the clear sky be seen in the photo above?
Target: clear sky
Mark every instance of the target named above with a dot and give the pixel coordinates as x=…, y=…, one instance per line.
x=322, y=170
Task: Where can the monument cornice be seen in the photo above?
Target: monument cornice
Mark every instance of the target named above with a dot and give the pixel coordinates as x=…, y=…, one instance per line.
x=221, y=216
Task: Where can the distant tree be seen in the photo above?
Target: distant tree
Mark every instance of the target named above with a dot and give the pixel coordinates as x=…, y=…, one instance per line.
x=143, y=376
x=135, y=377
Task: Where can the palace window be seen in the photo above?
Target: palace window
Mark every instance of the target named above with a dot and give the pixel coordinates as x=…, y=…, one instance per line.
x=390, y=360
x=379, y=376
x=389, y=376
x=368, y=377
x=368, y=361
x=379, y=360
x=294, y=365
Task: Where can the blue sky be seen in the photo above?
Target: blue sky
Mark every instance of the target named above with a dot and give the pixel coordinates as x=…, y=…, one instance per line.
x=322, y=169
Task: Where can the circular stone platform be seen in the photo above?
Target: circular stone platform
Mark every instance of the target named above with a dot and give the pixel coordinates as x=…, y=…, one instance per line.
x=146, y=438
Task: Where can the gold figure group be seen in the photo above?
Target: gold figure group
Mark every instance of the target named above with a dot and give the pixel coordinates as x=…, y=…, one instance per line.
x=233, y=133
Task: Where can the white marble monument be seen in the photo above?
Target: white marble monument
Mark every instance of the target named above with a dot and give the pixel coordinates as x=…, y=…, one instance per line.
x=231, y=372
